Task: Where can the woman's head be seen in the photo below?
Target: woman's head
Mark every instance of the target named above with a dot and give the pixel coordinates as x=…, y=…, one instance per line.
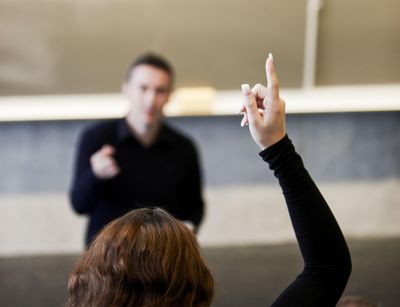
x=145, y=258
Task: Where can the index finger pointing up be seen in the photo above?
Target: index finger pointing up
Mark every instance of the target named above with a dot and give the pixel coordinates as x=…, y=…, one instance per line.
x=272, y=78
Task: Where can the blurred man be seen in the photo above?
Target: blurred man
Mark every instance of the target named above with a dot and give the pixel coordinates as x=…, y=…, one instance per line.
x=137, y=161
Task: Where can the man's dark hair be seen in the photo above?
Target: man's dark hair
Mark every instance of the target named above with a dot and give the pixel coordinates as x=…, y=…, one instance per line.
x=151, y=59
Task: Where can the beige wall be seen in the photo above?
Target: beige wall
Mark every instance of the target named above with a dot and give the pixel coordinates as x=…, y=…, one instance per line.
x=84, y=46
x=236, y=215
x=359, y=42
x=75, y=46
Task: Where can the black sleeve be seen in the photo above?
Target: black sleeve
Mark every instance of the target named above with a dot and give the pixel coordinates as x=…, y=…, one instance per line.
x=85, y=187
x=191, y=198
x=327, y=262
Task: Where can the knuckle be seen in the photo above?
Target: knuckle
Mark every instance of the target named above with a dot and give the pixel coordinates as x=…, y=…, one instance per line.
x=249, y=103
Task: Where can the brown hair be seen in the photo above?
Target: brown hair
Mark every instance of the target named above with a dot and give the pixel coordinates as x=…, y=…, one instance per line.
x=144, y=258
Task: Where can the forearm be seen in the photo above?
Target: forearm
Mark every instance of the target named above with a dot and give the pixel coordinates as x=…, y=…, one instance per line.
x=191, y=210
x=326, y=257
x=191, y=199
x=85, y=191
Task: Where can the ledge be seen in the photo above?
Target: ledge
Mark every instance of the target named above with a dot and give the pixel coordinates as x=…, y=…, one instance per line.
x=201, y=102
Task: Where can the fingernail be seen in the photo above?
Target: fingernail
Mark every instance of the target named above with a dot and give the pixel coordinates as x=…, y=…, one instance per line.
x=242, y=122
x=271, y=57
x=245, y=89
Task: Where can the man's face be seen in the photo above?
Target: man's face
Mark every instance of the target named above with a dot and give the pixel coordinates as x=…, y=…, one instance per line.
x=148, y=91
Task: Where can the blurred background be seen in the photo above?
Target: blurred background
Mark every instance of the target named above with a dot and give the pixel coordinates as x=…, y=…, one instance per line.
x=61, y=66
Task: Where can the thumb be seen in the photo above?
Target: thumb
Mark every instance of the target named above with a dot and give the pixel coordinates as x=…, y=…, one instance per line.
x=108, y=150
x=250, y=104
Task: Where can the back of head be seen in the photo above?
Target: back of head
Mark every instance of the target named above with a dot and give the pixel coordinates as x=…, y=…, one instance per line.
x=354, y=301
x=145, y=258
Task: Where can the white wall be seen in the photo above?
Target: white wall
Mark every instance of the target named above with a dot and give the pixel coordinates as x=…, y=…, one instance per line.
x=236, y=215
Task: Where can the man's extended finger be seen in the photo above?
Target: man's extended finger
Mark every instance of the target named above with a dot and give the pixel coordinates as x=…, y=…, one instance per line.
x=272, y=78
x=108, y=150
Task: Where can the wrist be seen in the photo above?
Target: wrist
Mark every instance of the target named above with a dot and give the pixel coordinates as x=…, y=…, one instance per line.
x=272, y=140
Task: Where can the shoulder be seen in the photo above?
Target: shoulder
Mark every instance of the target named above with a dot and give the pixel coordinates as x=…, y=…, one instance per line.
x=96, y=134
x=100, y=129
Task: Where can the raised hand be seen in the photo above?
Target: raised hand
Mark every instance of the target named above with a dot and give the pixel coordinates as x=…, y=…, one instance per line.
x=264, y=110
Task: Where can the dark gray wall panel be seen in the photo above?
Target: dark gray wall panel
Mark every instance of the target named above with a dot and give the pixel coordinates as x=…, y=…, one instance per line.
x=38, y=156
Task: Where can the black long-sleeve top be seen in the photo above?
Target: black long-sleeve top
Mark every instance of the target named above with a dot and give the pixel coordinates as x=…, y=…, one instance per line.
x=327, y=262
x=166, y=174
